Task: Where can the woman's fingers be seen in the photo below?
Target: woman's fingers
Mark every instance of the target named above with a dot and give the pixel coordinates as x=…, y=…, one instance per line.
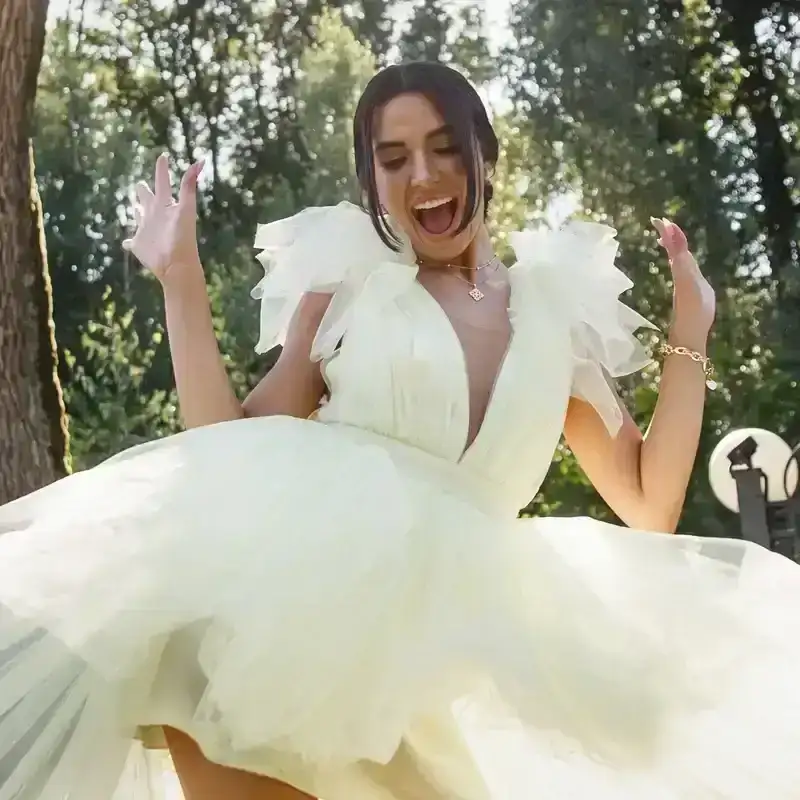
x=671, y=237
x=145, y=197
x=138, y=215
x=188, y=190
x=163, y=182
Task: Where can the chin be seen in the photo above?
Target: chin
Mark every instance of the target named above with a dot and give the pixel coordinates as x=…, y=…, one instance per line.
x=446, y=247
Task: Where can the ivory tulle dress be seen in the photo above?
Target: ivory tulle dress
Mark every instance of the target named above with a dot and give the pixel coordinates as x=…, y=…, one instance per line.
x=350, y=603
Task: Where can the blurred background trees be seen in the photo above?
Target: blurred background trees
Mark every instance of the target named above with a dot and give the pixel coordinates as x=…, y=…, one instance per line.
x=614, y=109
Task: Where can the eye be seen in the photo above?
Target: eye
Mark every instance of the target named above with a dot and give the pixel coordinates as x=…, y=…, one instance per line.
x=393, y=164
x=448, y=150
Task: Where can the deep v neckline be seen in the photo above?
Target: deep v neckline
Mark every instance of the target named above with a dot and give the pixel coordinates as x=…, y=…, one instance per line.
x=468, y=447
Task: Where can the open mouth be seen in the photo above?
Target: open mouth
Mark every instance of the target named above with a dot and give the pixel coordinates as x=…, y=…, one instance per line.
x=436, y=216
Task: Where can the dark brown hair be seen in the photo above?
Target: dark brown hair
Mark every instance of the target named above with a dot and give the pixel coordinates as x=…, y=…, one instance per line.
x=461, y=108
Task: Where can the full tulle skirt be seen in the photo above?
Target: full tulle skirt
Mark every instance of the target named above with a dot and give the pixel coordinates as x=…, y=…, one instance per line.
x=368, y=622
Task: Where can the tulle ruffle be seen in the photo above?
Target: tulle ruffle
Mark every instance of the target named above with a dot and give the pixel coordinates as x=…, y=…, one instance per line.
x=366, y=620
x=314, y=603
x=576, y=267
x=327, y=249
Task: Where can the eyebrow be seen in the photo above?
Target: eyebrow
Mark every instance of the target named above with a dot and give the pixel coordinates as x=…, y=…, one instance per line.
x=444, y=130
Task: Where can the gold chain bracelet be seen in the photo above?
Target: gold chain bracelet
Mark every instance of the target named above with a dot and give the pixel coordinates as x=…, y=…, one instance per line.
x=708, y=367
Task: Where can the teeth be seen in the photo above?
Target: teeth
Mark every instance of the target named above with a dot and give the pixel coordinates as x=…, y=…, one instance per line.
x=432, y=203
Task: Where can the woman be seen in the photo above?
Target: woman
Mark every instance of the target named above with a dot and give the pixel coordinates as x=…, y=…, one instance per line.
x=325, y=591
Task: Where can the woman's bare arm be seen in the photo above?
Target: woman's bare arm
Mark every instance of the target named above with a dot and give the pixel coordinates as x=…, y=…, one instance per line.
x=204, y=391
x=165, y=242
x=644, y=478
x=293, y=387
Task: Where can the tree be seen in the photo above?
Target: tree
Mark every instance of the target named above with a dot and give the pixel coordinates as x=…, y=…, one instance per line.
x=33, y=439
x=437, y=30
x=334, y=72
x=766, y=37
x=425, y=37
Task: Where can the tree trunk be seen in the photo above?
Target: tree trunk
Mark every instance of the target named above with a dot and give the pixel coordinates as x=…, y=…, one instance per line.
x=33, y=436
x=780, y=215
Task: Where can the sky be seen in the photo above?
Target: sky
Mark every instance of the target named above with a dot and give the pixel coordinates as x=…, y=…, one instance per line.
x=496, y=18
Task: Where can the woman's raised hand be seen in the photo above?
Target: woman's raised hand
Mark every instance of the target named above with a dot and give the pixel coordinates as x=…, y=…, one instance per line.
x=165, y=240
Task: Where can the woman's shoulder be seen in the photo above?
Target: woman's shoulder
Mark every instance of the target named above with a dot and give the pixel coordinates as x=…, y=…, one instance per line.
x=575, y=268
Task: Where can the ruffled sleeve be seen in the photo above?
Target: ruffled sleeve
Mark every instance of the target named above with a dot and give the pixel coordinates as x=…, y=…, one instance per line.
x=575, y=267
x=329, y=249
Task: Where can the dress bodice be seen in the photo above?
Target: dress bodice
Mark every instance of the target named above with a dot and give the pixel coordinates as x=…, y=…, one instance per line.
x=401, y=370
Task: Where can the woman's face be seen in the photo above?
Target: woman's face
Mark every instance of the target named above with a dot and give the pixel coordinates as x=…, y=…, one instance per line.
x=421, y=181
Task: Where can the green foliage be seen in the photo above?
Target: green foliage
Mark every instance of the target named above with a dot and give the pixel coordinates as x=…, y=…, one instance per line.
x=621, y=110
x=86, y=152
x=110, y=402
x=334, y=72
x=425, y=37
x=450, y=32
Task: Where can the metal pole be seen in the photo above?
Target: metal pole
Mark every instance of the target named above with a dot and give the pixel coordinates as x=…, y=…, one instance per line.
x=753, y=520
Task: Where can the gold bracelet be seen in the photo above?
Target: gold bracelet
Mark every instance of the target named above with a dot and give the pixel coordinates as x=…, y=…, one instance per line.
x=669, y=350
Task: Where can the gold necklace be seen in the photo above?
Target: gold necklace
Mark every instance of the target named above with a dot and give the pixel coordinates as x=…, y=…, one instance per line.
x=475, y=293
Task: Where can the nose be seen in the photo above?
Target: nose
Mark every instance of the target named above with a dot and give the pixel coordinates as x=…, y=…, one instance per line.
x=422, y=172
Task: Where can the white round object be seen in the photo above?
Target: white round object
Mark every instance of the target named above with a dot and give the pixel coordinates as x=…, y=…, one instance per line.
x=771, y=457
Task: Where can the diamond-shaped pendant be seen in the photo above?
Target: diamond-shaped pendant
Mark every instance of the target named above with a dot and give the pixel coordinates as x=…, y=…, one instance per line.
x=476, y=294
